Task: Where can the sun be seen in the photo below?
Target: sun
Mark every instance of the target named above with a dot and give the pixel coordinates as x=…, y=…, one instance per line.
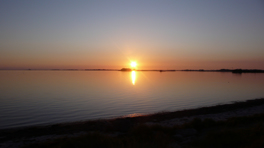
x=133, y=64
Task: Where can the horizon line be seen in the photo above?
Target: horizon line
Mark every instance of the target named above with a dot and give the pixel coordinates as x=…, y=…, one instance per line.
x=107, y=69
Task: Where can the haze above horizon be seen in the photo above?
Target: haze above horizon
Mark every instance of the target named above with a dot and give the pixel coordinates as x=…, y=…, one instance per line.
x=110, y=34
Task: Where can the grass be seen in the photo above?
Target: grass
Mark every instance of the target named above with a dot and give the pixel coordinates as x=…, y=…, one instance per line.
x=141, y=136
x=247, y=137
x=236, y=132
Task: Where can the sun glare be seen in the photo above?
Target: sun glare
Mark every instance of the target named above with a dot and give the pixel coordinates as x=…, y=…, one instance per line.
x=133, y=76
x=133, y=64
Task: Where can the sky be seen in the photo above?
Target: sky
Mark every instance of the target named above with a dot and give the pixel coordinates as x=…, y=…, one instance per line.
x=157, y=34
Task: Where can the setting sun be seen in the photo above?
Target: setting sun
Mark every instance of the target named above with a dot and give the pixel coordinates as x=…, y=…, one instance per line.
x=133, y=64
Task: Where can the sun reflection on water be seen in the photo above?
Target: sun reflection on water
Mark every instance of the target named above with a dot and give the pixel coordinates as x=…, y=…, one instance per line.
x=133, y=77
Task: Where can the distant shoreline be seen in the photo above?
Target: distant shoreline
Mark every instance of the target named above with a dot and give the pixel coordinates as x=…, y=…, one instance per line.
x=237, y=71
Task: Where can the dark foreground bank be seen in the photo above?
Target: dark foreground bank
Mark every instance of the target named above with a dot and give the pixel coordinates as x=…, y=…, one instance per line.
x=191, y=128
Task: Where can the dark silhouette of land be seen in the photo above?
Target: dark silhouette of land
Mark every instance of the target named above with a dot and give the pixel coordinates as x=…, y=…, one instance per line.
x=237, y=71
x=230, y=70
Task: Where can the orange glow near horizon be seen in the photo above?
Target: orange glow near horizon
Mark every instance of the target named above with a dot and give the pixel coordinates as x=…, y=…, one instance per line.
x=146, y=63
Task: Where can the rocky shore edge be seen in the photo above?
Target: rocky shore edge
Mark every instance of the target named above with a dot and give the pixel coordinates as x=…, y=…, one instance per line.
x=183, y=126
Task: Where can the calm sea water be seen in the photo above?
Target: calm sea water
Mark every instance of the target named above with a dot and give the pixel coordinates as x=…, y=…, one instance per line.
x=47, y=97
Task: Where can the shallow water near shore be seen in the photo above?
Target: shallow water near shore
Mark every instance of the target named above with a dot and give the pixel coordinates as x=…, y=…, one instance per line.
x=47, y=97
